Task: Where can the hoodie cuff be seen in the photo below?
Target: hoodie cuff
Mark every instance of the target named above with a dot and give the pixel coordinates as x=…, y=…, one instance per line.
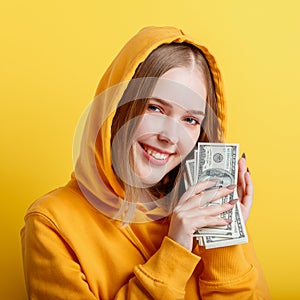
x=224, y=265
x=172, y=265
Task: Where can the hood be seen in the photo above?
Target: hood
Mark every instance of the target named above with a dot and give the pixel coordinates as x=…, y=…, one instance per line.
x=91, y=149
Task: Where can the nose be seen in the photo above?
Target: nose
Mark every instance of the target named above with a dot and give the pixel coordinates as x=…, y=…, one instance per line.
x=169, y=131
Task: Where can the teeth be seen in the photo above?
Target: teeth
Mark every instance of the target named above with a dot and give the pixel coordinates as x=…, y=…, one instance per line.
x=156, y=155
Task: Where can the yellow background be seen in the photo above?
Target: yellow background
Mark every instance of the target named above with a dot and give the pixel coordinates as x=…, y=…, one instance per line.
x=54, y=52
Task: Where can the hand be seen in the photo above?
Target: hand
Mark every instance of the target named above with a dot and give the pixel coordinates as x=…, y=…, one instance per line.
x=244, y=188
x=191, y=214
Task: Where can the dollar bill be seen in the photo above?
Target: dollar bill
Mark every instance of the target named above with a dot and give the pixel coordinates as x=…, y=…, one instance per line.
x=218, y=161
x=240, y=238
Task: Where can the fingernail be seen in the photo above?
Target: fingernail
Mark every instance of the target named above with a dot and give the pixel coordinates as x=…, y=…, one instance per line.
x=244, y=155
x=248, y=171
x=231, y=186
x=233, y=201
x=228, y=220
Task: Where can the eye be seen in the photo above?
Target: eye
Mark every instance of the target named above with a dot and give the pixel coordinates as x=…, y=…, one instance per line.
x=153, y=107
x=191, y=121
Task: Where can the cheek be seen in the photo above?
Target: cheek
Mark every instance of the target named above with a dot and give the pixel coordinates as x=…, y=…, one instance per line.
x=143, y=127
x=197, y=135
x=189, y=140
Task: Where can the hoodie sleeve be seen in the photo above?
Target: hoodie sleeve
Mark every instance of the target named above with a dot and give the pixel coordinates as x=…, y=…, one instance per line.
x=163, y=276
x=232, y=273
x=52, y=270
x=50, y=267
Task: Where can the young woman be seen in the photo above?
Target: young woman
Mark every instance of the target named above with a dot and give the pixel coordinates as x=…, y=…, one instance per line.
x=122, y=228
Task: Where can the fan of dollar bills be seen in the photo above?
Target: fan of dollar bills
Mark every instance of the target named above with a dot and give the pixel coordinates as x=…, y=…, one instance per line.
x=219, y=162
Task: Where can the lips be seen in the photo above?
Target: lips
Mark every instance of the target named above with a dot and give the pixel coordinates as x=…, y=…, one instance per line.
x=156, y=154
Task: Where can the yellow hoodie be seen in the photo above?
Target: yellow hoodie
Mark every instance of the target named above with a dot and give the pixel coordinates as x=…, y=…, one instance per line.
x=72, y=249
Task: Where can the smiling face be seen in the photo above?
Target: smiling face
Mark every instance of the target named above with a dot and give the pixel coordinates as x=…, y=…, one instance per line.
x=171, y=124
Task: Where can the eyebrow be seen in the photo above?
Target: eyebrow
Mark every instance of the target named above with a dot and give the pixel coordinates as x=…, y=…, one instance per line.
x=193, y=112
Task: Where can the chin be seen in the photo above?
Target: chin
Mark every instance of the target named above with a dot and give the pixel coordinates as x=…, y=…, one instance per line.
x=149, y=182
